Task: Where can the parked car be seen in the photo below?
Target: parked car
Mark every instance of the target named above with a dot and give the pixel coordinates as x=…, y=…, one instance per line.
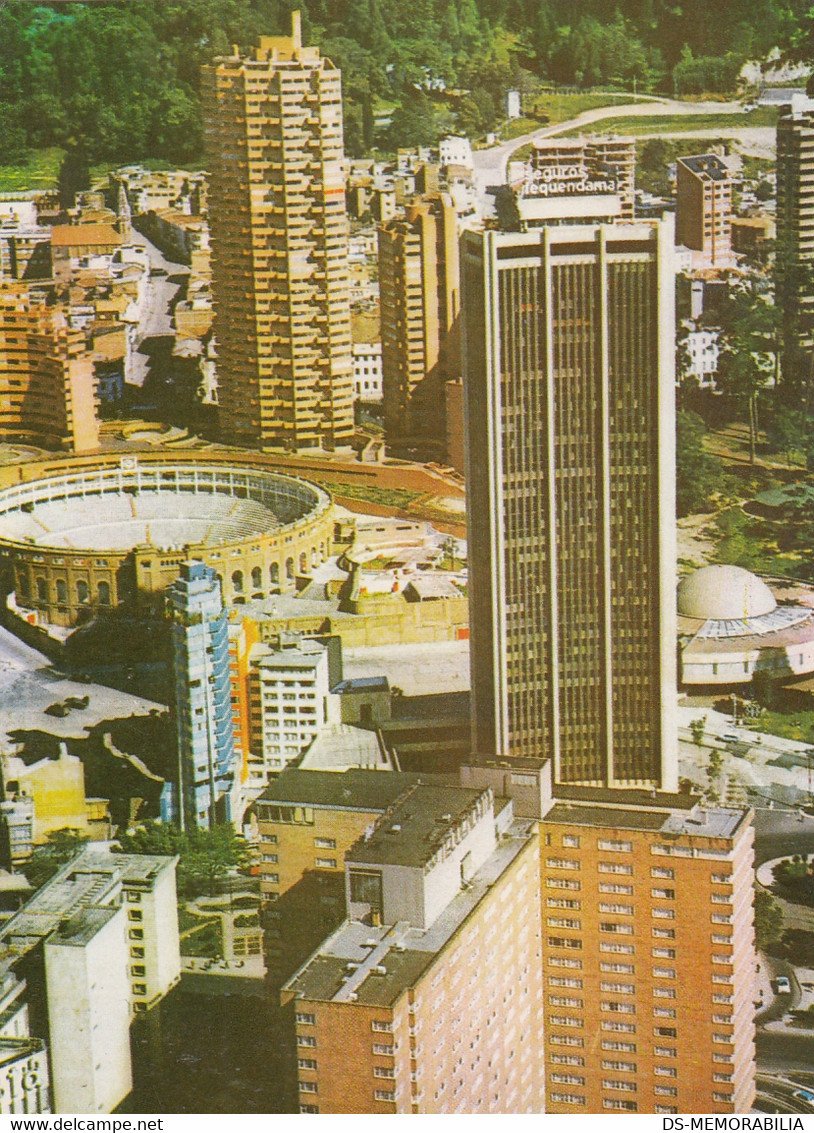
x=782, y=985
x=731, y=738
x=804, y=1095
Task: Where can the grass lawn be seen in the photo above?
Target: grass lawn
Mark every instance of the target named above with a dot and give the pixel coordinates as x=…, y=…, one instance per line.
x=679, y=123
x=38, y=172
x=393, y=497
x=794, y=725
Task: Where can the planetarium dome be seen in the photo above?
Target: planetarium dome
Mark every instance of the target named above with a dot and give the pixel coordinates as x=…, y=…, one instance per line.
x=724, y=593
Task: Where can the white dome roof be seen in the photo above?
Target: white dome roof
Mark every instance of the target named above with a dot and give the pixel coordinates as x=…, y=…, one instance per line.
x=724, y=592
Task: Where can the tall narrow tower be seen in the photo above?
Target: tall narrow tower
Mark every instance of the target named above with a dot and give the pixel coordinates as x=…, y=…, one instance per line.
x=273, y=123
x=203, y=697
x=795, y=234
x=569, y=335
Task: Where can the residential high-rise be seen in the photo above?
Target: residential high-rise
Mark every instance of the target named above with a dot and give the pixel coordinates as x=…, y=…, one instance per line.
x=273, y=122
x=795, y=232
x=419, y=285
x=432, y=988
x=569, y=359
x=203, y=700
x=648, y=955
x=704, y=208
x=47, y=385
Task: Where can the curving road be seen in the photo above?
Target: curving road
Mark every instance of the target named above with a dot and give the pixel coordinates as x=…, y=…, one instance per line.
x=490, y=165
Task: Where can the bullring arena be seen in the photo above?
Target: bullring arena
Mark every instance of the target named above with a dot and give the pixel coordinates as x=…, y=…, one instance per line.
x=115, y=532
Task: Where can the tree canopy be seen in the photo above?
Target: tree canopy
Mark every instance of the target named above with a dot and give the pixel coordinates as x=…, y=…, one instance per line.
x=206, y=856
x=122, y=79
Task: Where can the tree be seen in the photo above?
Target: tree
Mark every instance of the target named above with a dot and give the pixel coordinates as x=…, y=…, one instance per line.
x=74, y=175
x=413, y=122
x=698, y=475
x=746, y=362
x=45, y=861
x=768, y=919
x=697, y=729
x=206, y=856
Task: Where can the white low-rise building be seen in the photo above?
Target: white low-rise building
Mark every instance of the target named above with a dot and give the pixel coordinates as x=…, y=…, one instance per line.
x=367, y=371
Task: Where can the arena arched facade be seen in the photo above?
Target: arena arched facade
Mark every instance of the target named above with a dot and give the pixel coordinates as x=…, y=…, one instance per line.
x=114, y=531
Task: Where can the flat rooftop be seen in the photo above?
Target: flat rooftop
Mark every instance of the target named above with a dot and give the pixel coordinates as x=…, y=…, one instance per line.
x=415, y=826
x=374, y=966
x=697, y=821
x=355, y=789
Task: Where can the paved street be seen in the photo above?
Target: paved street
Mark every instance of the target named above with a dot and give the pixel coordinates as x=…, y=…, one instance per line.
x=490, y=165
x=157, y=323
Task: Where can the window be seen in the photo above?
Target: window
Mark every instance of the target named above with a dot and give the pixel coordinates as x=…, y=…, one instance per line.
x=325, y=843
x=136, y=934
x=62, y=590
x=615, y=845
x=567, y=1079
x=307, y=1063
x=568, y=1099
x=309, y=1109
x=612, y=926
x=563, y=922
x=309, y=1088
x=664, y=914
x=564, y=981
x=623, y=910
x=104, y=593
x=615, y=867
x=384, y=1095
x=619, y=1103
x=571, y=841
x=381, y=1025
x=664, y=953
x=135, y=914
x=564, y=942
x=383, y=1072
x=326, y=863
x=137, y=952
x=306, y=1018
x=665, y=1032
x=662, y=871
x=382, y=1048
x=139, y=989
x=665, y=1091
x=615, y=887
x=564, y=962
x=564, y=1001
x=565, y=1040
x=664, y=1051
x=663, y=894
x=561, y=883
x=133, y=896
x=613, y=946
x=562, y=903
x=664, y=973
x=665, y=933
x=561, y=863
x=138, y=970
x=620, y=1007
x=665, y=1071
x=612, y=1025
x=619, y=1044
x=664, y=1012
x=621, y=989
x=664, y=992
x=306, y=1040
x=567, y=1059
x=618, y=1084
x=622, y=969
x=614, y=1064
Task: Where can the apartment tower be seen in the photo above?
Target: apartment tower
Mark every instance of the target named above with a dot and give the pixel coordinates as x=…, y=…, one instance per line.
x=203, y=697
x=47, y=384
x=795, y=233
x=704, y=208
x=273, y=124
x=419, y=283
x=569, y=339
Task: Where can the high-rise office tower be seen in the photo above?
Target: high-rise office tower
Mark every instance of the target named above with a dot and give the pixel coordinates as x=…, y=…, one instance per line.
x=419, y=284
x=203, y=697
x=569, y=341
x=795, y=232
x=273, y=124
